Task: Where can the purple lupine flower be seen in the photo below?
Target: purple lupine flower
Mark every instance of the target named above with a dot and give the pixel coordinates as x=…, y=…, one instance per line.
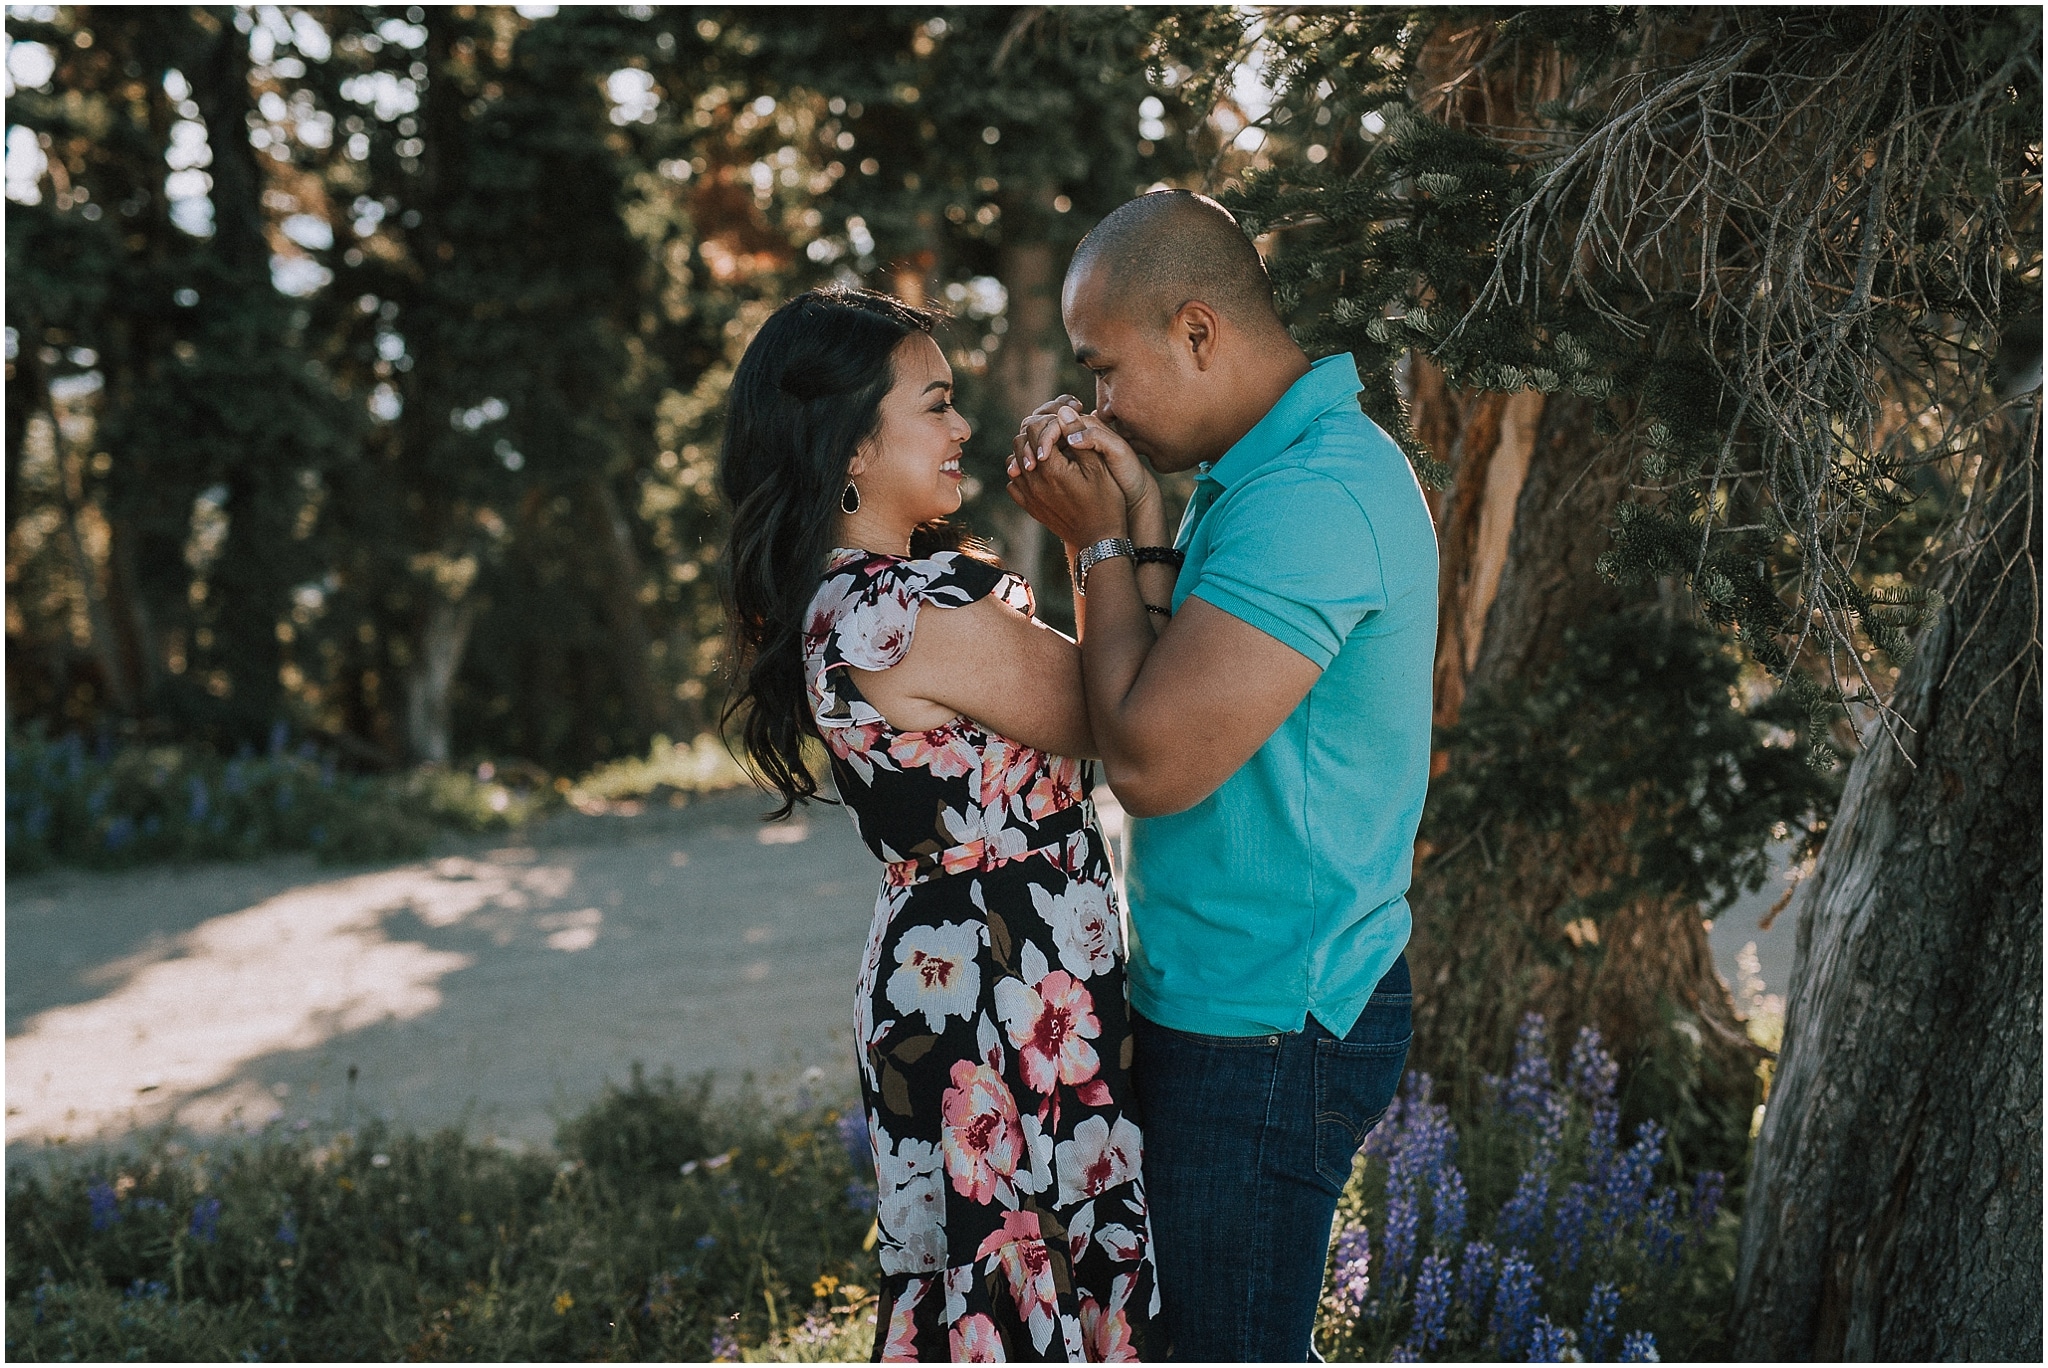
x=1403, y=1354
x=1398, y=1250
x=1520, y=1222
x=104, y=1203
x=1639, y=1346
x=1351, y=1265
x=1432, y=1304
x=1568, y=1234
x=205, y=1226
x=1663, y=1238
x=853, y=1134
x=1548, y=1342
x=1598, y=1326
x=1707, y=1189
x=1529, y=1081
x=1447, y=1207
x=1550, y=1128
x=1591, y=1071
x=288, y=1230
x=1600, y=1133
x=1514, y=1305
x=860, y=1196
x=724, y=1348
x=1475, y=1277
x=1626, y=1185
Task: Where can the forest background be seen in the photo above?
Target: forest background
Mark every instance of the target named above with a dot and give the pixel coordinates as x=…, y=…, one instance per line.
x=364, y=368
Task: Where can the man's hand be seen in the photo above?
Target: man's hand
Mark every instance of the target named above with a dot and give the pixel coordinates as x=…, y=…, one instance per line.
x=1062, y=421
x=1073, y=493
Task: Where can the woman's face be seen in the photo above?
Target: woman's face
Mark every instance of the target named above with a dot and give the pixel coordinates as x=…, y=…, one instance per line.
x=909, y=472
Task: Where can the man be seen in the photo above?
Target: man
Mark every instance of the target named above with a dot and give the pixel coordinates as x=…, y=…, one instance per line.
x=1263, y=714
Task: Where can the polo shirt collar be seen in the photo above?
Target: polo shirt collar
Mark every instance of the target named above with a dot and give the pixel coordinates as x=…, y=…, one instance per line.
x=1329, y=382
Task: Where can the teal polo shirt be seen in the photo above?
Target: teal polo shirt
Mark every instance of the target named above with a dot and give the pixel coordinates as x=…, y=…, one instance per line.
x=1283, y=894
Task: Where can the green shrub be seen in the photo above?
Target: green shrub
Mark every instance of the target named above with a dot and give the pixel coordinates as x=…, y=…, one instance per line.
x=116, y=807
x=384, y=1246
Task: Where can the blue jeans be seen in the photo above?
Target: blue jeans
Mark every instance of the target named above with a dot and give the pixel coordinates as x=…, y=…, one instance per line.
x=1248, y=1143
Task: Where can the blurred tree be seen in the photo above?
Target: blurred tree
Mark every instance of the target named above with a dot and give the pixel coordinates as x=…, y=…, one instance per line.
x=178, y=445
x=1513, y=219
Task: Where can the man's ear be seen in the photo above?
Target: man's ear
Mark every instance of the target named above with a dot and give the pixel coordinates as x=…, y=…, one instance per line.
x=1195, y=328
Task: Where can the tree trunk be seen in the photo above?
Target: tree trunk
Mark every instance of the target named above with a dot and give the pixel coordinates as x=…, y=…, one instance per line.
x=430, y=676
x=1895, y=1205
x=620, y=572
x=1519, y=543
x=1027, y=373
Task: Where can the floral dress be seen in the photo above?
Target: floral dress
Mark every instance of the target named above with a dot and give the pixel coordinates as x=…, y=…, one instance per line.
x=994, y=1028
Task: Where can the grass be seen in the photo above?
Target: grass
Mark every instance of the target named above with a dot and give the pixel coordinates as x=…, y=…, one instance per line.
x=664, y=1227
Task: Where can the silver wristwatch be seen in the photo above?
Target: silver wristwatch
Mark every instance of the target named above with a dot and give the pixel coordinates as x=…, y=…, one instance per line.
x=1093, y=555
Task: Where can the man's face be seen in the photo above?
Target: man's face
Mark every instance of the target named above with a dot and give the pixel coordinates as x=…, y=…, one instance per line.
x=1147, y=388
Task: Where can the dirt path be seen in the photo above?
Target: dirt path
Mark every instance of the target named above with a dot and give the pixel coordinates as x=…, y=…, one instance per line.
x=497, y=986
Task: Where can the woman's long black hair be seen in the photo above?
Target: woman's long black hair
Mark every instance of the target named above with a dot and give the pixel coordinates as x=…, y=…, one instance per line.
x=807, y=393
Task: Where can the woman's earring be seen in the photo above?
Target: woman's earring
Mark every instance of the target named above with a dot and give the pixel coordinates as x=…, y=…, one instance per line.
x=849, y=498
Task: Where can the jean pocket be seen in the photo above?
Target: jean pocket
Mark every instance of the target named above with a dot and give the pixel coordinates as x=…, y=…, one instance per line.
x=1355, y=1082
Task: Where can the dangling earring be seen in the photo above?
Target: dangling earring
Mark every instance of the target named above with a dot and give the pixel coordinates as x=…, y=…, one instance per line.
x=849, y=498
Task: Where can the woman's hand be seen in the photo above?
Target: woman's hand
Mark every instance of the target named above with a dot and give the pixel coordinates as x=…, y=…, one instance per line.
x=1074, y=493
x=1062, y=419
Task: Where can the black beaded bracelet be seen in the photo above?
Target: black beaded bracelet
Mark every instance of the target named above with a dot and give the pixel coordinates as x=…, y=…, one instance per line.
x=1160, y=555
x=1155, y=608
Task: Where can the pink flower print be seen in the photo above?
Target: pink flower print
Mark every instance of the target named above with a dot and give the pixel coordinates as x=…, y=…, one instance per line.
x=1019, y=1250
x=1097, y=1159
x=1044, y=798
x=984, y=1142
x=1108, y=1333
x=847, y=742
x=974, y=1340
x=942, y=750
x=1051, y=1025
x=875, y=636
x=901, y=1344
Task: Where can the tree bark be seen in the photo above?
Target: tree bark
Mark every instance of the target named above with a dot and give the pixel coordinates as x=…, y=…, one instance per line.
x=621, y=575
x=1895, y=1204
x=430, y=676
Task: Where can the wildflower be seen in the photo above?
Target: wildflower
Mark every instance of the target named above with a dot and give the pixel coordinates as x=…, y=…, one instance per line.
x=106, y=1209
x=860, y=1196
x=1626, y=1184
x=1399, y=1246
x=205, y=1226
x=706, y=1241
x=1475, y=1277
x=563, y=1301
x=1350, y=1265
x=1598, y=1326
x=1514, y=1304
x=1549, y=1343
x=1447, y=1207
x=1521, y=1220
x=1568, y=1234
x=201, y=801
x=1591, y=1072
x=1663, y=1239
x=1528, y=1082
x=1639, y=1346
x=1600, y=1140
x=1706, y=1197
x=824, y=1286
x=724, y=1348
x=853, y=1134
x=280, y=732
x=288, y=1230
x=1432, y=1303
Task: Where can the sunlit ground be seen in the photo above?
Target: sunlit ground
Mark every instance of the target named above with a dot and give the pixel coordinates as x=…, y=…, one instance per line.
x=497, y=988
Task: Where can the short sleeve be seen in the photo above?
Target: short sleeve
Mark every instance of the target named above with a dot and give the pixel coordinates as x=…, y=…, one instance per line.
x=1293, y=554
x=865, y=614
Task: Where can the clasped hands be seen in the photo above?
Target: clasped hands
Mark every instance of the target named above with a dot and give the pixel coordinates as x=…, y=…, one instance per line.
x=1074, y=474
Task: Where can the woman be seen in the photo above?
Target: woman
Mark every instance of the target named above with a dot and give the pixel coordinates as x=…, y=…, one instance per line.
x=993, y=1027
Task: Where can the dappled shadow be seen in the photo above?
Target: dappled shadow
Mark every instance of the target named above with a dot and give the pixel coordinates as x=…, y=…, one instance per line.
x=498, y=987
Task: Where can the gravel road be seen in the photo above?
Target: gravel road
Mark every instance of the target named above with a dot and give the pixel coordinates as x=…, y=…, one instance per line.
x=496, y=986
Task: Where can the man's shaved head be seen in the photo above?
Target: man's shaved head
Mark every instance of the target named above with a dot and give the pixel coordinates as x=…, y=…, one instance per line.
x=1163, y=250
